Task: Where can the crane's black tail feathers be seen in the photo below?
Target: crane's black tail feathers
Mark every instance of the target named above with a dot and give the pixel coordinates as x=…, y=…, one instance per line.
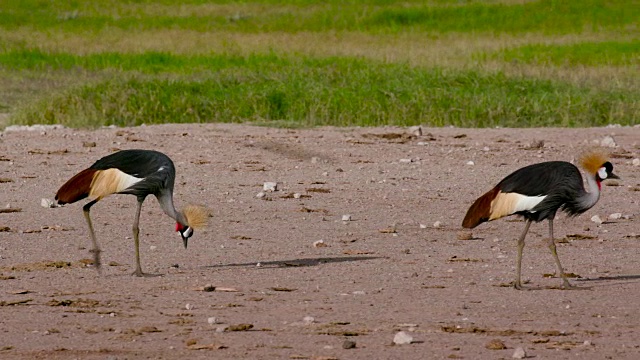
x=480, y=211
x=76, y=188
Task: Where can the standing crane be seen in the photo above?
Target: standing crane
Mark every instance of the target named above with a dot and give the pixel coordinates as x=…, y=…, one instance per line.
x=135, y=172
x=537, y=192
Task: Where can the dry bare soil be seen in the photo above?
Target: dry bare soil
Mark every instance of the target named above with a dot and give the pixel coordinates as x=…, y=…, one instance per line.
x=399, y=264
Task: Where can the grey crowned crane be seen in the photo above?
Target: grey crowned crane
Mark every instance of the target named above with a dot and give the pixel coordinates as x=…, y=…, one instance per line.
x=537, y=192
x=135, y=172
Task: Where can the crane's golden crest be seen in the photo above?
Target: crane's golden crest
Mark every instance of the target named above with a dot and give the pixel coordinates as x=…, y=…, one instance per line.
x=197, y=216
x=593, y=160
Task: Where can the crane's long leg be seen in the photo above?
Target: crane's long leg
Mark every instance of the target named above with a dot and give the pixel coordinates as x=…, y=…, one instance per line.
x=518, y=284
x=136, y=232
x=95, y=250
x=552, y=247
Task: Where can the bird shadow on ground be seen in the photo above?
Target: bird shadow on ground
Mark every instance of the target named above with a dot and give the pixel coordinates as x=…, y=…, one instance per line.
x=609, y=280
x=297, y=262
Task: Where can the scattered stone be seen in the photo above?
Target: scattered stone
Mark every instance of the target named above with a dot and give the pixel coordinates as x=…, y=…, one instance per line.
x=465, y=235
x=596, y=219
x=212, y=320
x=208, y=288
x=470, y=163
x=308, y=320
x=486, y=149
x=270, y=186
x=297, y=195
x=88, y=144
x=348, y=344
x=519, y=353
x=615, y=216
x=608, y=141
x=48, y=203
x=405, y=161
x=587, y=343
x=415, y=130
x=260, y=195
x=495, y=344
x=319, y=243
x=423, y=226
x=636, y=162
x=189, y=306
x=346, y=217
x=437, y=224
x=239, y=327
x=402, y=338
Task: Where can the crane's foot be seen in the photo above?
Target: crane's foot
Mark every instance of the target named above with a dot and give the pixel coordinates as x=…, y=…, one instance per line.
x=139, y=273
x=96, y=258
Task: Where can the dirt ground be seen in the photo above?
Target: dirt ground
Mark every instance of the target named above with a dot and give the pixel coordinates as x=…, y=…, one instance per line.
x=292, y=279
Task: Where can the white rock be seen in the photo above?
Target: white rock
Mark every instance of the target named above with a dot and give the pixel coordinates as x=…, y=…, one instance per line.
x=519, y=353
x=297, y=195
x=587, y=343
x=319, y=243
x=48, y=203
x=152, y=247
x=470, y=163
x=308, y=320
x=260, y=194
x=405, y=161
x=402, y=338
x=486, y=148
x=189, y=306
x=212, y=320
x=437, y=224
x=596, y=219
x=270, y=186
x=423, y=226
x=359, y=292
x=416, y=130
x=346, y=217
x=615, y=216
x=636, y=162
x=608, y=141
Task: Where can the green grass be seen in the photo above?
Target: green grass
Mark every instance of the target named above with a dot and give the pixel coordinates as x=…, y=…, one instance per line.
x=334, y=92
x=608, y=53
x=307, y=63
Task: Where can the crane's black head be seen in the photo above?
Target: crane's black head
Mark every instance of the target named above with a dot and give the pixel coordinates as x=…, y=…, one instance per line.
x=185, y=232
x=606, y=172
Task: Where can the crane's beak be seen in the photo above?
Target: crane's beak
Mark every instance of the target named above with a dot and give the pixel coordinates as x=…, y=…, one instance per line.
x=185, y=241
x=613, y=176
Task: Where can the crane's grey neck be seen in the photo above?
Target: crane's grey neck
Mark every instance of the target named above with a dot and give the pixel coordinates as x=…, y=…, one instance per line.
x=590, y=198
x=166, y=203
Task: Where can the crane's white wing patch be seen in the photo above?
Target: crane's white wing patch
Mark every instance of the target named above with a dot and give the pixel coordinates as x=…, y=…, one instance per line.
x=110, y=181
x=505, y=204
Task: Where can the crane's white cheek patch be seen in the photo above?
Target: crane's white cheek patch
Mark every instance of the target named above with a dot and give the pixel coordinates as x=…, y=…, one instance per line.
x=110, y=181
x=505, y=204
x=602, y=172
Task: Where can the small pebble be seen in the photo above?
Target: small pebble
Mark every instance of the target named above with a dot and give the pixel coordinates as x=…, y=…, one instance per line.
x=519, y=353
x=260, y=194
x=470, y=163
x=596, y=219
x=270, y=186
x=346, y=217
x=212, y=320
x=437, y=224
x=402, y=338
x=615, y=216
x=189, y=306
x=297, y=196
x=636, y=162
x=608, y=141
x=348, y=344
x=465, y=235
x=495, y=344
x=423, y=226
x=308, y=320
x=319, y=243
